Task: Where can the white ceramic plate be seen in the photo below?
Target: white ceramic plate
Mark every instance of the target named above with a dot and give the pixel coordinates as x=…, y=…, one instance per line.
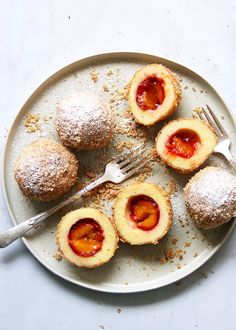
x=132, y=269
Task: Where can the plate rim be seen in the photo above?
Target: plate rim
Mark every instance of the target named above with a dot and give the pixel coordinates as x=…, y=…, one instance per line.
x=131, y=288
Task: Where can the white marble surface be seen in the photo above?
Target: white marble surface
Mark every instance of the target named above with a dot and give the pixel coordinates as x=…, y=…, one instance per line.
x=39, y=37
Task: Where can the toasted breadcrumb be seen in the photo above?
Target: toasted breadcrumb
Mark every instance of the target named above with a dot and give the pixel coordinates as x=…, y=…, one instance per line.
x=170, y=255
x=57, y=255
x=171, y=187
x=121, y=146
x=109, y=73
x=174, y=241
x=97, y=197
x=105, y=88
x=184, y=221
x=32, y=123
x=122, y=94
x=198, y=110
x=94, y=74
x=154, y=153
x=146, y=173
x=187, y=244
x=90, y=174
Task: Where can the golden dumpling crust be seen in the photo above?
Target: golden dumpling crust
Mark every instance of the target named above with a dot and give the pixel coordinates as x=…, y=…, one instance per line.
x=169, y=89
x=84, y=122
x=109, y=243
x=210, y=197
x=45, y=170
x=127, y=230
x=202, y=149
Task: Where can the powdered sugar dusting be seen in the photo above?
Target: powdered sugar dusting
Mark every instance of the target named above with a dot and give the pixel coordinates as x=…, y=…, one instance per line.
x=211, y=197
x=84, y=122
x=45, y=170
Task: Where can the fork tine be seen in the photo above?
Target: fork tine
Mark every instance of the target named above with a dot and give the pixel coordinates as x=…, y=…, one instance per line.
x=134, y=163
x=134, y=170
x=200, y=115
x=128, y=153
x=133, y=157
x=211, y=122
x=217, y=122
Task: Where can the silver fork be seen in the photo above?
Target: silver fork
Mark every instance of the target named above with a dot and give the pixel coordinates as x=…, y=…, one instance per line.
x=116, y=171
x=224, y=142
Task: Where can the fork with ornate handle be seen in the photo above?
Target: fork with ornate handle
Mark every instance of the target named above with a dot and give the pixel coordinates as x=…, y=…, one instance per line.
x=116, y=171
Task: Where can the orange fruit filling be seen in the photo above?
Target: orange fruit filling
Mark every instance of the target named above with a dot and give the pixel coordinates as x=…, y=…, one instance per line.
x=85, y=237
x=183, y=143
x=150, y=93
x=144, y=211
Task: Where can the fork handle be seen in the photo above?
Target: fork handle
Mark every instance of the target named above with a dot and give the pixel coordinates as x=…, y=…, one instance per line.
x=9, y=236
x=230, y=159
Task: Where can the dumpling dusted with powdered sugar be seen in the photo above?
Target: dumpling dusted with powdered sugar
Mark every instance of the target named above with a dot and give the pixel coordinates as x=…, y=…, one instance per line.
x=210, y=197
x=45, y=170
x=84, y=122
